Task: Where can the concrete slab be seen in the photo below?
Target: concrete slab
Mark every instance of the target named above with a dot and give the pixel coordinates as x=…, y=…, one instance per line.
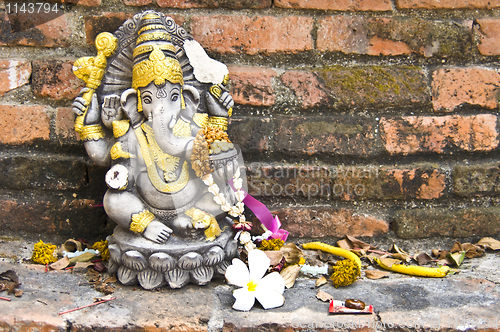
x=469, y=300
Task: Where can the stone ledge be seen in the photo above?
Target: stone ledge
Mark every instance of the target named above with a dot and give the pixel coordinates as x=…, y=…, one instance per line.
x=469, y=300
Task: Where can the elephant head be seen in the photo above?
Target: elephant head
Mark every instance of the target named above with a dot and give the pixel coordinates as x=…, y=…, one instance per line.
x=164, y=108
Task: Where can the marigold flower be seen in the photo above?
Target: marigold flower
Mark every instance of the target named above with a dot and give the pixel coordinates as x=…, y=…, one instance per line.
x=345, y=272
x=44, y=253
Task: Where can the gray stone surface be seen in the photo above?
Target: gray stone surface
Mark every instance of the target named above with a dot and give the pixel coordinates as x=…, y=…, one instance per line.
x=469, y=300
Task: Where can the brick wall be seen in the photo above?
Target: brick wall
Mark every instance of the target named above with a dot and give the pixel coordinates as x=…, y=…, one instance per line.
x=356, y=117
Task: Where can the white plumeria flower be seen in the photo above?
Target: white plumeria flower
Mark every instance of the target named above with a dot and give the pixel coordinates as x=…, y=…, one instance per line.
x=242, y=218
x=236, y=174
x=267, y=290
x=241, y=207
x=225, y=207
x=234, y=211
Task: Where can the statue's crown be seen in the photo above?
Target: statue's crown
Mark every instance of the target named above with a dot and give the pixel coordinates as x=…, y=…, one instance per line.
x=155, y=58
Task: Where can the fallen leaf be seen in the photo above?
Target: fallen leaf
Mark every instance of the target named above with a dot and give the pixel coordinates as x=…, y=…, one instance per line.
x=376, y=274
x=472, y=250
x=457, y=258
x=403, y=257
x=18, y=293
x=344, y=244
x=359, y=252
x=275, y=256
x=289, y=274
x=10, y=275
x=324, y=296
x=439, y=254
x=389, y=261
x=85, y=257
x=104, y=288
x=60, y=264
x=457, y=247
x=423, y=258
x=320, y=281
x=104, y=298
x=325, y=256
x=292, y=253
x=110, y=280
x=358, y=243
x=489, y=243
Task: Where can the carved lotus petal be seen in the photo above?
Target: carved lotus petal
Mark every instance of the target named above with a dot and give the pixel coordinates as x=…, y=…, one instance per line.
x=231, y=249
x=213, y=256
x=150, y=279
x=177, y=278
x=115, y=253
x=126, y=276
x=134, y=260
x=161, y=262
x=202, y=275
x=222, y=267
x=112, y=266
x=190, y=261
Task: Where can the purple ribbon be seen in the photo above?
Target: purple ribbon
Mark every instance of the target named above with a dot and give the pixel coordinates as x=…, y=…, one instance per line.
x=265, y=216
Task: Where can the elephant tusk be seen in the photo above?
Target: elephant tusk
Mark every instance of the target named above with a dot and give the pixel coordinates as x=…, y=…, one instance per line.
x=172, y=122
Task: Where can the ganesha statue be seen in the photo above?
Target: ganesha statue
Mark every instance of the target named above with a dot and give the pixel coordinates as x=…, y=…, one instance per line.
x=155, y=111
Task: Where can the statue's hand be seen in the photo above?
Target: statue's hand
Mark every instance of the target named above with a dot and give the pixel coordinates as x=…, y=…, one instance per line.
x=226, y=100
x=79, y=104
x=111, y=109
x=157, y=232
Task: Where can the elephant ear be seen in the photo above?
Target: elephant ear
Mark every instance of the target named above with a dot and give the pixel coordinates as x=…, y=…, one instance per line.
x=128, y=101
x=192, y=101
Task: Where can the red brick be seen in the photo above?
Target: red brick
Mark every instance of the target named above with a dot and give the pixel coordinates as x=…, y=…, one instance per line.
x=465, y=86
x=324, y=221
x=413, y=134
x=253, y=35
x=64, y=216
x=106, y=22
x=307, y=88
x=54, y=79
x=65, y=124
x=393, y=36
x=13, y=74
x=386, y=183
x=489, y=36
x=37, y=31
x=476, y=180
x=447, y=4
x=252, y=85
x=432, y=222
x=90, y=3
x=231, y=4
x=23, y=124
x=340, y=135
x=288, y=181
x=251, y=134
x=137, y=2
x=342, y=5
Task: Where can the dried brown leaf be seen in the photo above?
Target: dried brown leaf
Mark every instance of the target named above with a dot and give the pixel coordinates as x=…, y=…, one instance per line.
x=324, y=296
x=289, y=274
x=489, y=243
x=398, y=250
x=292, y=253
x=389, y=261
x=60, y=264
x=275, y=256
x=472, y=250
x=85, y=257
x=457, y=247
x=423, y=258
x=10, y=275
x=376, y=274
x=110, y=280
x=403, y=257
x=320, y=281
x=358, y=243
x=18, y=293
x=104, y=288
x=439, y=254
x=325, y=256
x=344, y=244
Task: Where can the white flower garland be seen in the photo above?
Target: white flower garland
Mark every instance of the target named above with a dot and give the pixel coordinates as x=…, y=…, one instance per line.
x=234, y=211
